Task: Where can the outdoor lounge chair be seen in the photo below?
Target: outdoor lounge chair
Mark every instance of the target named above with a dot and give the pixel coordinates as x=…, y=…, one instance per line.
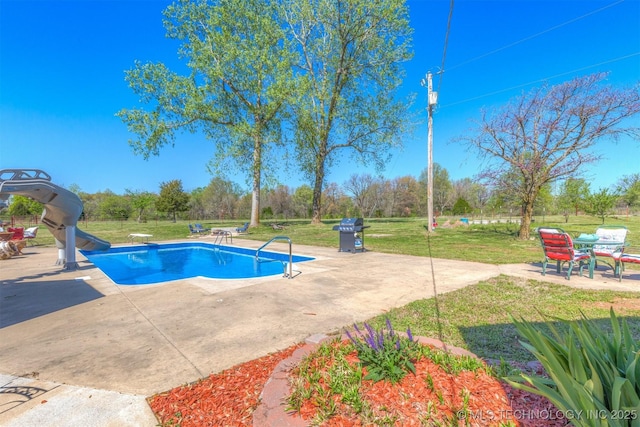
x=30, y=234
x=614, y=233
x=18, y=233
x=243, y=229
x=198, y=229
x=201, y=229
x=558, y=246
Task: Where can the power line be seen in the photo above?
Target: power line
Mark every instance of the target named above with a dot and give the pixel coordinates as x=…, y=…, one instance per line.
x=555, y=27
x=446, y=43
x=620, y=58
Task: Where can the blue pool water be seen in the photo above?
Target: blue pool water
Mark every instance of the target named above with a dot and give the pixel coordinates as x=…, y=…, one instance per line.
x=143, y=265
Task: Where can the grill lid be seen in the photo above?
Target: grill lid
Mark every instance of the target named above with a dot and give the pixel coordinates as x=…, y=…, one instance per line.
x=352, y=221
x=350, y=224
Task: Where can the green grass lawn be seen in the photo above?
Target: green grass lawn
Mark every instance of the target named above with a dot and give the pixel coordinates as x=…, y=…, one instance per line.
x=476, y=317
x=491, y=243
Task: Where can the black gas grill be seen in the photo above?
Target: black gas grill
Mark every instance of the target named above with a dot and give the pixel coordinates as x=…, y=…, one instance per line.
x=351, y=234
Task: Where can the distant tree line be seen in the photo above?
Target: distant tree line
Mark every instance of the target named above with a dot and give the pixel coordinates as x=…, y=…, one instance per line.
x=361, y=195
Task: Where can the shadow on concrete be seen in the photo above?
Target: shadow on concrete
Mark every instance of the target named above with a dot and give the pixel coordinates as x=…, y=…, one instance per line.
x=29, y=297
x=13, y=396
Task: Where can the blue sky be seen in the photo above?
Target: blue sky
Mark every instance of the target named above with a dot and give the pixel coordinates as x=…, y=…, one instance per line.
x=62, y=69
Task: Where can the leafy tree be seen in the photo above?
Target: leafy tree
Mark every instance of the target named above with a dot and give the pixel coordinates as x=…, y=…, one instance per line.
x=461, y=207
x=478, y=195
x=572, y=196
x=335, y=203
x=90, y=204
x=302, y=201
x=267, y=212
x=115, y=207
x=507, y=193
x=220, y=198
x=548, y=134
x=140, y=201
x=23, y=206
x=629, y=189
x=280, y=201
x=462, y=189
x=408, y=195
x=172, y=198
x=244, y=206
x=239, y=84
x=403, y=196
x=351, y=53
x=601, y=203
x=197, y=209
x=544, y=201
x=443, y=194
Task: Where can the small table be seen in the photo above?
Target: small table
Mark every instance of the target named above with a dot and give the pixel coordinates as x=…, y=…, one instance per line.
x=5, y=236
x=587, y=244
x=144, y=238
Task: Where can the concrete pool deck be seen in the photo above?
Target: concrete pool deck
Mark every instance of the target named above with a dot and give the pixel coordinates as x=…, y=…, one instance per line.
x=76, y=349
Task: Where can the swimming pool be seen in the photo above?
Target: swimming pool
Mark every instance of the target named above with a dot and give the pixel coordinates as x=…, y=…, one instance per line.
x=155, y=263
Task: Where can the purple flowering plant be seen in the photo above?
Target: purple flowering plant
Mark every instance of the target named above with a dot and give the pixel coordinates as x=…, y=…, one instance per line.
x=386, y=355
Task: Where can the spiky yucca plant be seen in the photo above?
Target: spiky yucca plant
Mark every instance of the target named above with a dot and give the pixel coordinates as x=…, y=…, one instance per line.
x=594, y=376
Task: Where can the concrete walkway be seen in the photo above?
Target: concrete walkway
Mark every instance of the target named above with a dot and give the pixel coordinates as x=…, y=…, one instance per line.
x=76, y=349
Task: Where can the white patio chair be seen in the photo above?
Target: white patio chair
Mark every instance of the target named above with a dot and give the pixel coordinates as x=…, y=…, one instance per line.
x=30, y=234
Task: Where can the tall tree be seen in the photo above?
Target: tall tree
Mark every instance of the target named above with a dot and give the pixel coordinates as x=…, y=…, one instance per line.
x=601, y=203
x=629, y=189
x=280, y=201
x=443, y=192
x=573, y=194
x=237, y=89
x=23, y=206
x=335, y=203
x=549, y=134
x=478, y=196
x=197, y=210
x=351, y=53
x=405, y=197
x=114, y=206
x=302, y=199
x=220, y=198
x=140, y=201
x=367, y=193
x=172, y=199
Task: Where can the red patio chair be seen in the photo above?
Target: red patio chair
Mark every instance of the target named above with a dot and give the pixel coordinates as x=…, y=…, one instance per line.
x=558, y=246
x=18, y=232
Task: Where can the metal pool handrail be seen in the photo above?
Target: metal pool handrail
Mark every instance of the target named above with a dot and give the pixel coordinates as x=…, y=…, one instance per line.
x=290, y=274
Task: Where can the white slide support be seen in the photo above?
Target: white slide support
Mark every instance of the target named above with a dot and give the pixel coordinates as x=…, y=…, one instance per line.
x=62, y=209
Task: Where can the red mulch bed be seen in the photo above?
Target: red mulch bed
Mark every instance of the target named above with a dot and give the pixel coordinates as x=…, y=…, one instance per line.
x=230, y=397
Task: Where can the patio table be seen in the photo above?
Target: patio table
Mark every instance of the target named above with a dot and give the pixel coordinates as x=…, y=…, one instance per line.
x=587, y=243
x=5, y=236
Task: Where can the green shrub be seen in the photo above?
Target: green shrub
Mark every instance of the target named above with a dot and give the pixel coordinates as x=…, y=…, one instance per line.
x=593, y=375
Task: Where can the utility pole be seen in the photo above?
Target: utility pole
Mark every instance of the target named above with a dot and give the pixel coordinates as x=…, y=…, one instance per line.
x=432, y=99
